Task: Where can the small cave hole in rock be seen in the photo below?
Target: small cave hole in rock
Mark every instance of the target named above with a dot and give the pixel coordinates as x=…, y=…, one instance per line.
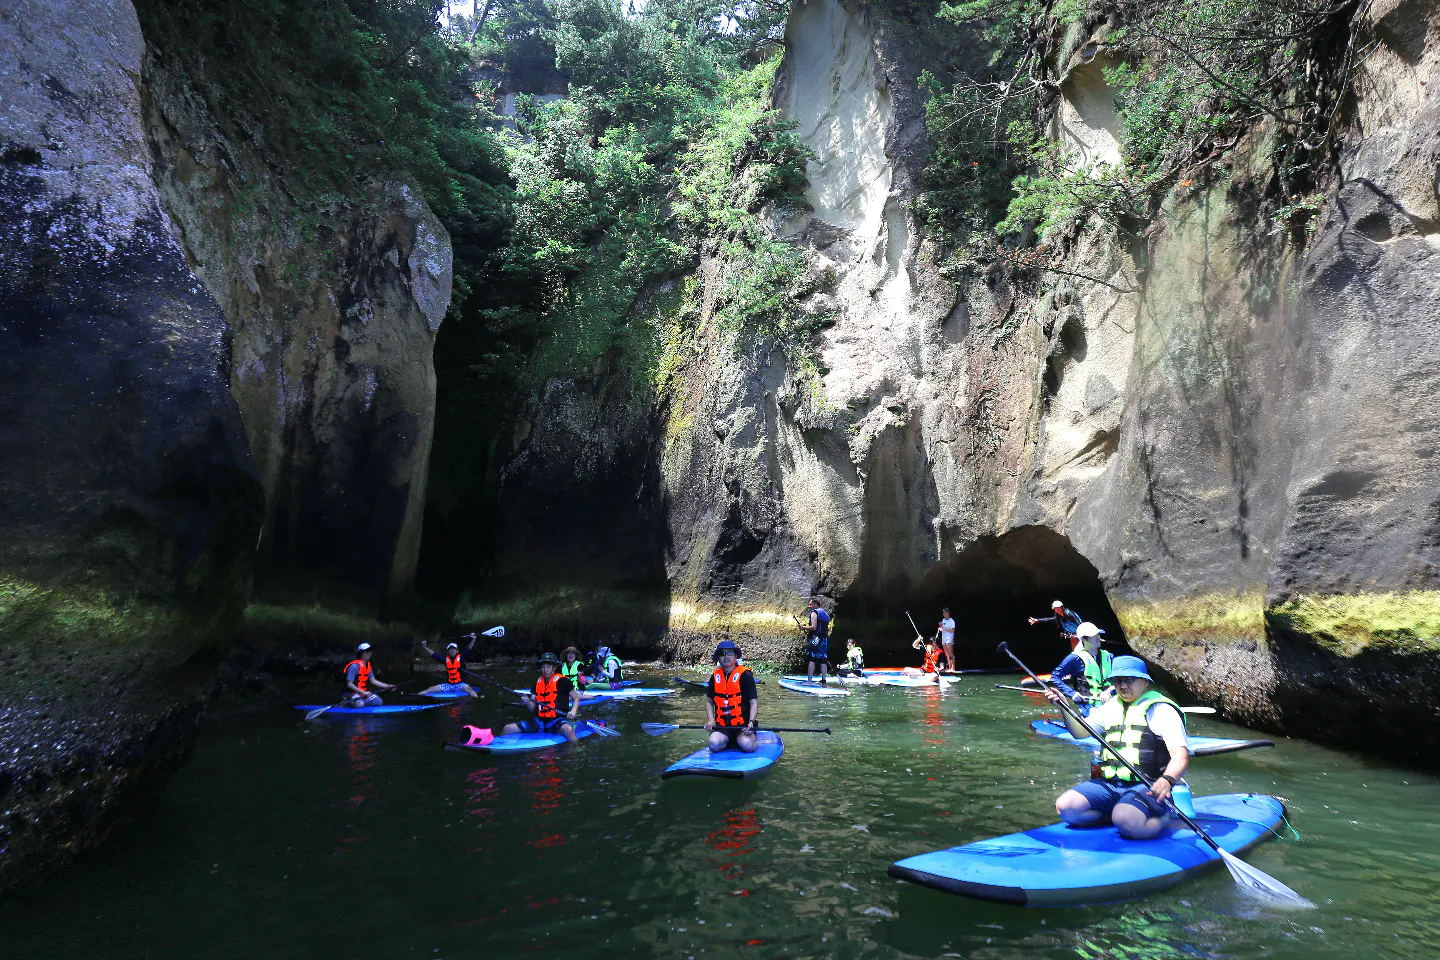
x=991, y=588
x=1375, y=226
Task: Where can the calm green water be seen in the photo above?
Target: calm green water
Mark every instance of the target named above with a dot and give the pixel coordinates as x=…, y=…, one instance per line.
x=362, y=839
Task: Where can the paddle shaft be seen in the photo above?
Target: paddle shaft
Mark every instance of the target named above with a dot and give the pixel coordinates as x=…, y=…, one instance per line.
x=1032, y=690
x=1069, y=708
x=691, y=726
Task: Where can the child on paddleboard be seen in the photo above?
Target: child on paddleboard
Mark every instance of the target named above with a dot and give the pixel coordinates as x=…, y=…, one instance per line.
x=931, y=667
x=854, y=660
x=454, y=662
x=359, y=676
x=606, y=668
x=554, y=701
x=731, y=702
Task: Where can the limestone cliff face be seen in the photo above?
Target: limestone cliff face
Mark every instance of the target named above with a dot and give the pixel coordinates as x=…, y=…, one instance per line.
x=335, y=314
x=129, y=503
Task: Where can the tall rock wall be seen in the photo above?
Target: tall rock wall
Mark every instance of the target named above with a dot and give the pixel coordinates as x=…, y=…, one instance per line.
x=129, y=503
x=335, y=313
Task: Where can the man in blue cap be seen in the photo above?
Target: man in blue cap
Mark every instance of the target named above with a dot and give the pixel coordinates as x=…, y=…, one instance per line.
x=731, y=702
x=1148, y=729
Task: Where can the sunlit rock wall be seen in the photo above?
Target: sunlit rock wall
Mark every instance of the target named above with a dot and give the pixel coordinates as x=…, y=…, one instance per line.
x=129, y=503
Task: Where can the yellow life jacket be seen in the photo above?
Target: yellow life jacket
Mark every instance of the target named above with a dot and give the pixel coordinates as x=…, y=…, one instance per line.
x=1135, y=741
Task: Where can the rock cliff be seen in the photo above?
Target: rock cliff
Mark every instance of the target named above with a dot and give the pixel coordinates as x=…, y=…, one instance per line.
x=129, y=502
x=1224, y=444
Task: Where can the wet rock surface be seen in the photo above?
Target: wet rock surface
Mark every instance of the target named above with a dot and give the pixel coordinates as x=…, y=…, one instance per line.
x=128, y=497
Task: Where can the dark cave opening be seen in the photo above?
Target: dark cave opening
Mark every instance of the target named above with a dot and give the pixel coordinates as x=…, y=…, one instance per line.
x=991, y=587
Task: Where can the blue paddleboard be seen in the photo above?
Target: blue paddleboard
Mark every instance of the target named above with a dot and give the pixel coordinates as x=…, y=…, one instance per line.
x=444, y=695
x=800, y=685
x=1199, y=746
x=522, y=742
x=601, y=694
x=731, y=764
x=370, y=711
x=1063, y=866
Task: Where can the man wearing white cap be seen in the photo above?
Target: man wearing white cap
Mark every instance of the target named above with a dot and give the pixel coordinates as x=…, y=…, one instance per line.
x=1066, y=619
x=1084, y=675
x=359, y=675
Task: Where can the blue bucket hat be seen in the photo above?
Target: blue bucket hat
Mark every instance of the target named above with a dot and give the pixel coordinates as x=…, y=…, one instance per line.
x=724, y=645
x=1128, y=667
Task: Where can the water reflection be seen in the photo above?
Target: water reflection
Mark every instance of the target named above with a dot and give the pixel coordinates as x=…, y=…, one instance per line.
x=732, y=842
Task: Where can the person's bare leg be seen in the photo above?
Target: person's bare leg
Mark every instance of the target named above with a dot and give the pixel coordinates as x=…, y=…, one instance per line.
x=1135, y=824
x=747, y=742
x=510, y=728
x=568, y=729
x=1075, y=810
x=718, y=741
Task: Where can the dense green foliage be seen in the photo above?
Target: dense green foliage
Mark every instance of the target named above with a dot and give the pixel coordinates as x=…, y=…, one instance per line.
x=1189, y=78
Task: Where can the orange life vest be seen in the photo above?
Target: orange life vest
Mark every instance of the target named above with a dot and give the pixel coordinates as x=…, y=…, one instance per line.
x=452, y=668
x=932, y=662
x=729, y=707
x=362, y=678
x=546, y=693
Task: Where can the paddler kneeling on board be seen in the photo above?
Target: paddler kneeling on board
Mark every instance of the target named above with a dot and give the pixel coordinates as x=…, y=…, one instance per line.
x=606, y=668
x=554, y=700
x=931, y=667
x=732, y=702
x=454, y=662
x=359, y=675
x=854, y=660
x=1084, y=675
x=1149, y=730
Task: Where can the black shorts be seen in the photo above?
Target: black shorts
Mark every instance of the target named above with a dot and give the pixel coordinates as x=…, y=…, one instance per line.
x=1106, y=795
x=536, y=725
x=732, y=733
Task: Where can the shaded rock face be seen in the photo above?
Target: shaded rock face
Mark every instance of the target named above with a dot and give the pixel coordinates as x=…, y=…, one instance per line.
x=129, y=502
x=335, y=316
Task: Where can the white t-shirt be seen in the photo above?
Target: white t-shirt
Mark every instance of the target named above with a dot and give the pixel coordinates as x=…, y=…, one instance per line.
x=1163, y=720
x=947, y=630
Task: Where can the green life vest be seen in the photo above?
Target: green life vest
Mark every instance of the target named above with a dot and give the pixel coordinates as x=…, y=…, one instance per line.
x=1136, y=743
x=610, y=669
x=571, y=672
x=1097, y=675
x=856, y=656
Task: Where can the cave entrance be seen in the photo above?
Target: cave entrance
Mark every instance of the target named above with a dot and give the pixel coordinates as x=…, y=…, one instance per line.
x=991, y=588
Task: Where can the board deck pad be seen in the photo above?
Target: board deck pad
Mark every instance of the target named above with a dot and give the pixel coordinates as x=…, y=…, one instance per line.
x=730, y=764
x=1199, y=746
x=801, y=685
x=1063, y=866
x=521, y=742
x=381, y=710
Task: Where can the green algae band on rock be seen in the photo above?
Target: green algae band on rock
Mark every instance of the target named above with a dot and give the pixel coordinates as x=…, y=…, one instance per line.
x=1199, y=746
x=384, y=708
x=731, y=764
x=1063, y=866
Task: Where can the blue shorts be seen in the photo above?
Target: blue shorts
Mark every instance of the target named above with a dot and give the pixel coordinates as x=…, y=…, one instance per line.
x=536, y=725
x=818, y=651
x=364, y=700
x=1104, y=795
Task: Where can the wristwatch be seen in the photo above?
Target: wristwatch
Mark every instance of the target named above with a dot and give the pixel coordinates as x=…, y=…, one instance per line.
x=1166, y=776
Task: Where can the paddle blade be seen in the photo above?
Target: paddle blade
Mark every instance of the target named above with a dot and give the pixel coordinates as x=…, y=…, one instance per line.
x=496, y=632
x=599, y=728
x=1262, y=886
x=312, y=714
x=659, y=729
x=1204, y=711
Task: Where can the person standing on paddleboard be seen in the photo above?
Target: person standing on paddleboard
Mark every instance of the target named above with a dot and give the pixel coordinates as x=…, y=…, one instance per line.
x=854, y=660
x=818, y=648
x=1149, y=729
x=947, y=637
x=554, y=700
x=606, y=668
x=1084, y=674
x=1066, y=619
x=360, y=676
x=731, y=702
x=454, y=662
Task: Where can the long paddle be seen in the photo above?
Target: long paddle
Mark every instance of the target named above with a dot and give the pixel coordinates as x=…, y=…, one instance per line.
x=702, y=686
x=660, y=729
x=1249, y=879
x=1196, y=711
x=312, y=714
x=594, y=727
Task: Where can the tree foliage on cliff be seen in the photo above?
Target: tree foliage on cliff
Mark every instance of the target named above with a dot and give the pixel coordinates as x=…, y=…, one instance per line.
x=1188, y=79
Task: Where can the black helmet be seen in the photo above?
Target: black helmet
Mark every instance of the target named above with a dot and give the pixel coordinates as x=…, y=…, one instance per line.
x=548, y=657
